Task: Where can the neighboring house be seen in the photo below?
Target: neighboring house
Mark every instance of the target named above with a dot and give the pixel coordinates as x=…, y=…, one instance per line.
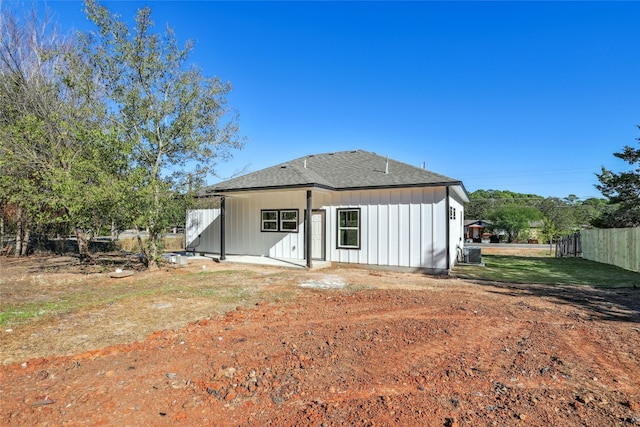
x=474, y=229
x=365, y=209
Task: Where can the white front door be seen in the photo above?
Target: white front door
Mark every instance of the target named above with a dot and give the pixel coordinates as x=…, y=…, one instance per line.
x=317, y=235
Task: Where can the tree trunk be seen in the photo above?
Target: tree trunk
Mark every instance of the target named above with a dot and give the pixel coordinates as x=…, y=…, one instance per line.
x=1, y=231
x=154, y=263
x=143, y=249
x=26, y=233
x=22, y=234
x=83, y=245
x=18, y=250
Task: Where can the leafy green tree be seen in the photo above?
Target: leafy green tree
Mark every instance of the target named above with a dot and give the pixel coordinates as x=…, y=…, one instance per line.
x=513, y=220
x=587, y=213
x=176, y=120
x=571, y=199
x=623, y=191
x=561, y=216
x=483, y=202
x=558, y=216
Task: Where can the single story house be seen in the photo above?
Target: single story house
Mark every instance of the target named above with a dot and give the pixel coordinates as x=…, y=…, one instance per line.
x=352, y=207
x=474, y=229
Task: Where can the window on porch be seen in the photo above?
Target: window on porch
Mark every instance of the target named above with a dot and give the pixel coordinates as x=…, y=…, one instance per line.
x=285, y=220
x=269, y=221
x=289, y=220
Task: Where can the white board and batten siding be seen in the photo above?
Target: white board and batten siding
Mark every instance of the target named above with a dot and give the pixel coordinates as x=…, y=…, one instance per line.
x=398, y=227
x=242, y=226
x=202, y=231
x=243, y=223
x=456, y=228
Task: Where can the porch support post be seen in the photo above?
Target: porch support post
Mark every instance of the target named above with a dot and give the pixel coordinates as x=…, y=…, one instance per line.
x=448, y=229
x=307, y=227
x=222, y=230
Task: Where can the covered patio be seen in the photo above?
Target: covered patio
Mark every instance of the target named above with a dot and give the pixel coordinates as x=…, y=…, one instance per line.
x=260, y=260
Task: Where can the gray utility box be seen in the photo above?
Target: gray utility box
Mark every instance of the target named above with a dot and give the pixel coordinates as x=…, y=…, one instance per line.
x=179, y=260
x=472, y=256
x=176, y=260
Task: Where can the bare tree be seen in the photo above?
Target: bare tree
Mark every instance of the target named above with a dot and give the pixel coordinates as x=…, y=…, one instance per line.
x=26, y=89
x=56, y=155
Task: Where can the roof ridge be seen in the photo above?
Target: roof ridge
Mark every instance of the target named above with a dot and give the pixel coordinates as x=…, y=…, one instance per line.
x=329, y=153
x=386, y=157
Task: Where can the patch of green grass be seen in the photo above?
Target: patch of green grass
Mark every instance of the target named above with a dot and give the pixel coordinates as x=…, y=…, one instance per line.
x=546, y=270
x=12, y=317
x=39, y=301
x=19, y=313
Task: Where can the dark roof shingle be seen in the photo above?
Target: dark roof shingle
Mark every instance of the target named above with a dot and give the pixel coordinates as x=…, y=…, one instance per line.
x=344, y=170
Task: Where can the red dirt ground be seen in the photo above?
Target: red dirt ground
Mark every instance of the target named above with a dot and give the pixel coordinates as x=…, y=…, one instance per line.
x=406, y=350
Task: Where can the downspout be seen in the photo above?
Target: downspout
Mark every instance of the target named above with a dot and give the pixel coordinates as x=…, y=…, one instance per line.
x=223, y=255
x=448, y=216
x=307, y=227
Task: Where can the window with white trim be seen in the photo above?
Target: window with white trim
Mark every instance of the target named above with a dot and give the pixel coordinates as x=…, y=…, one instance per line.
x=349, y=228
x=285, y=220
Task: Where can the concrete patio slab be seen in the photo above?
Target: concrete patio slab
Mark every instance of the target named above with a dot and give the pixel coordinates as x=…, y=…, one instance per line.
x=263, y=260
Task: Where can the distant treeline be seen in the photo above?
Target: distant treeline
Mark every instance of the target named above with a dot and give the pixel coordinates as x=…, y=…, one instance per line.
x=557, y=216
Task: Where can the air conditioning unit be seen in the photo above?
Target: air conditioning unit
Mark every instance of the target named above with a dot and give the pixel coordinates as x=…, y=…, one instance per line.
x=472, y=256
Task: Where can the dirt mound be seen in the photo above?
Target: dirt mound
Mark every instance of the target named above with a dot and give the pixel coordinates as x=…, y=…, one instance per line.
x=451, y=353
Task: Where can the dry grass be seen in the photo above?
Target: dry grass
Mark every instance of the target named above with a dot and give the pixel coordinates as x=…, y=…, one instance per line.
x=535, y=251
x=130, y=244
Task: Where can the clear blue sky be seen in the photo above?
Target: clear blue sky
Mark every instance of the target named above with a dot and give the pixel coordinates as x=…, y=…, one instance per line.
x=532, y=97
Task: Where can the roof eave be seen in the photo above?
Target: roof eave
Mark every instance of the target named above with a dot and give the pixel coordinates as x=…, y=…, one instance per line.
x=415, y=185
x=221, y=191
x=462, y=191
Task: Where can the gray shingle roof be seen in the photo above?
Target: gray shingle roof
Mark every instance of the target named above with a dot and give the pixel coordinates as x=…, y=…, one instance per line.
x=344, y=170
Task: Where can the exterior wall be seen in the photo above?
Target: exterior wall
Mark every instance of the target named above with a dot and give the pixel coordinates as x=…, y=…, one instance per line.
x=456, y=230
x=242, y=229
x=398, y=227
x=243, y=235
x=202, y=232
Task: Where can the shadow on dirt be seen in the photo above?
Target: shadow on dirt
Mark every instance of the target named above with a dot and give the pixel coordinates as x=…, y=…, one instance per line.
x=622, y=304
x=70, y=246
x=61, y=255
x=60, y=246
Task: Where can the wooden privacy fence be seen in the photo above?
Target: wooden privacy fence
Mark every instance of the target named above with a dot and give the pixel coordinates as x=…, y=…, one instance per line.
x=617, y=246
x=570, y=245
